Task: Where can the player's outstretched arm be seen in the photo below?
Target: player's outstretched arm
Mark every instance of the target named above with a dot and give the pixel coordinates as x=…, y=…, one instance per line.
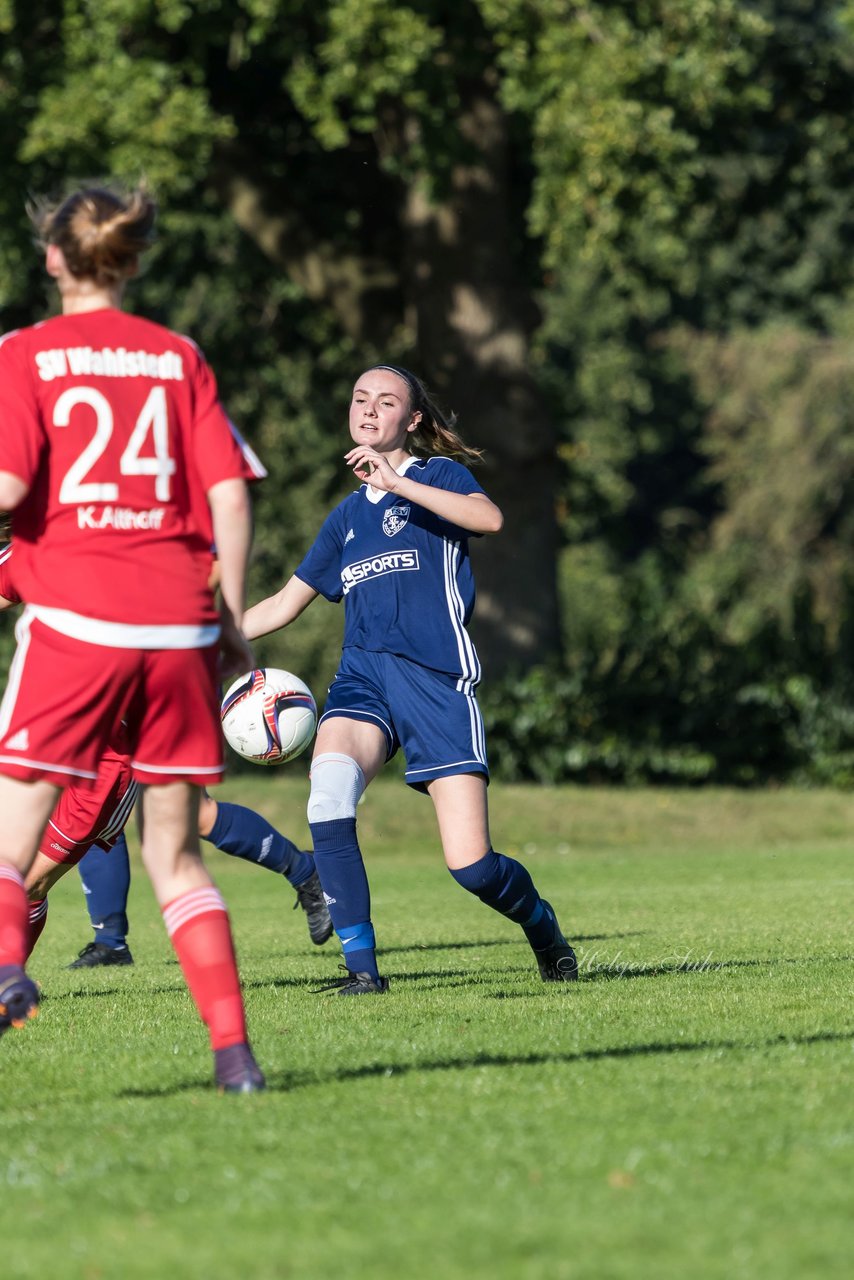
x=472, y=511
x=279, y=610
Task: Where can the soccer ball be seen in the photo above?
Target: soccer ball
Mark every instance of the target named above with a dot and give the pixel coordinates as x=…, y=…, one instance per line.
x=268, y=716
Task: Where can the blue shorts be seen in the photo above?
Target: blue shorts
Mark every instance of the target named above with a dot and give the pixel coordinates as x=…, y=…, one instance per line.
x=439, y=727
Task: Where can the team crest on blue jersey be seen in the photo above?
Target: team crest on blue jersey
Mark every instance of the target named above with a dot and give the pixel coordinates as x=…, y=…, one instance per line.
x=394, y=520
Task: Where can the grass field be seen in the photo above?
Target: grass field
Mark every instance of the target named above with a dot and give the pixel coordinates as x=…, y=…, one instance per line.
x=683, y=1111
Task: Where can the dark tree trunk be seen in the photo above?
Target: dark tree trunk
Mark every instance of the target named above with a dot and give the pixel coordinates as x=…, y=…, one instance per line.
x=444, y=269
x=473, y=318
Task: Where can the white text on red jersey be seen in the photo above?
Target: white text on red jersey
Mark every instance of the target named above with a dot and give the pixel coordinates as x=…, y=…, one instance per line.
x=108, y=362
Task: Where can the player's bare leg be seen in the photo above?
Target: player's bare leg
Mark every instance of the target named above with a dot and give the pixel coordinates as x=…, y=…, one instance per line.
x=170, y=840
x=198, y=926
x=461, y=811
x=500, y=882
x=26, y=807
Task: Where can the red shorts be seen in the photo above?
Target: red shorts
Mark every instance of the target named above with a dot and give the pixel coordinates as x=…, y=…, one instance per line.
x=94, y=814
x=65, y=698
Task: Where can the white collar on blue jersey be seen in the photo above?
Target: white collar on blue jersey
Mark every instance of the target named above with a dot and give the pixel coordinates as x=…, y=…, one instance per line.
x=377, y=495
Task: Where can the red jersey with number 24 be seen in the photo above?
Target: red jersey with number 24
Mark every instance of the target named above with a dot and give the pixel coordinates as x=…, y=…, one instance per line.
x=115, y=424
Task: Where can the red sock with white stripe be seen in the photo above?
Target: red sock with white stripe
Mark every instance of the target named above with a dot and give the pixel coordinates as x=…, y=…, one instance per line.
x=198, y=927
x=38, y=920
x=14, y=916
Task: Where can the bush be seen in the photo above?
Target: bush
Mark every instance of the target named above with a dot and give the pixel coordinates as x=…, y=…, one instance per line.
x=663, y=715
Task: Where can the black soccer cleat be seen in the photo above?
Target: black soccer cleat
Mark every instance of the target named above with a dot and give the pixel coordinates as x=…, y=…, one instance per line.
x=19, y=997
x=556, y=962
x=356, y=984
x=310, y=898
x=236, y=1071
x=98, y=953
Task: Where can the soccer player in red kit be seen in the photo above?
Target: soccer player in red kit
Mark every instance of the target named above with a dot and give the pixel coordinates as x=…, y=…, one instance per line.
x=93, y=817
x=121, y=471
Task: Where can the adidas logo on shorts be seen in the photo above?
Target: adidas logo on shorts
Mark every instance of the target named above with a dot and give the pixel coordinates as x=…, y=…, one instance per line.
x=19, y=741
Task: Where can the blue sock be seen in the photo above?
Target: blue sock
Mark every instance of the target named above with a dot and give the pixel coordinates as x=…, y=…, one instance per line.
x=106, y=881
x=245, y=834
x=338, y=859
x=359, y=946
x=505, y=885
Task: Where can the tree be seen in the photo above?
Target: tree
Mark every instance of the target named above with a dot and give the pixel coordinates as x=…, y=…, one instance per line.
x=389, y=208
x=778, y=434
x=530, y=201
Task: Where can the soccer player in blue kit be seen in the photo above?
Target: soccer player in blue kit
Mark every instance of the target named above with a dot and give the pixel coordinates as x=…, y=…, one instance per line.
x=396, y=552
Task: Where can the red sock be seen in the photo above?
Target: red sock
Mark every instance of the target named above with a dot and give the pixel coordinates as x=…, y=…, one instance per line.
x=14, y=916
x=197, y=924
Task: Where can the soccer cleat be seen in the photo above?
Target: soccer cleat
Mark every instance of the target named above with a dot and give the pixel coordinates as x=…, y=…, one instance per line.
x=97, y=953
x=356, y=984
x=236, y=1071
x=310, y=898
x=19, y=997
x=556, y=962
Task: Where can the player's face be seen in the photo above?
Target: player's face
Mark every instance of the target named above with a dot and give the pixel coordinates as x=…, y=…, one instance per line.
x=380, y=411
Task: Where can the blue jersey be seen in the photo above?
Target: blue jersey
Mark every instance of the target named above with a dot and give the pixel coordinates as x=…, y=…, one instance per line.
x=403, y=573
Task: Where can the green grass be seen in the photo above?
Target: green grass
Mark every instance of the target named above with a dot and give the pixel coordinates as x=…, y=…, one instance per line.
x=681, y=1112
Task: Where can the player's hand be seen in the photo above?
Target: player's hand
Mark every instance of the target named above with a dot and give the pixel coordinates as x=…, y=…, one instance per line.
x=373, y=467
x=235, y=651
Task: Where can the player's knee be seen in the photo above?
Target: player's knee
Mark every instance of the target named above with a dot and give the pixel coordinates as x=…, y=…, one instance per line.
x=337, y=784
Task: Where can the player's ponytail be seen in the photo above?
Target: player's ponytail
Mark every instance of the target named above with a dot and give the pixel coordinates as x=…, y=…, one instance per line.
x=435, y=433
x=101, y=233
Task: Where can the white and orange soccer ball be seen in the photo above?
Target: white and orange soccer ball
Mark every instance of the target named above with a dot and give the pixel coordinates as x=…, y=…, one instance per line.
x=268, y=716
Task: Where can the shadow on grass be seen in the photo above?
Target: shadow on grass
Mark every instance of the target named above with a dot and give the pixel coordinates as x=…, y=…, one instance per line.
x=445, y=946
x=618, y=970
x=444, y=978
x=314, y=985
x=495, y=942
x=95, y=993
x=441, y=979
x=289, y=1082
